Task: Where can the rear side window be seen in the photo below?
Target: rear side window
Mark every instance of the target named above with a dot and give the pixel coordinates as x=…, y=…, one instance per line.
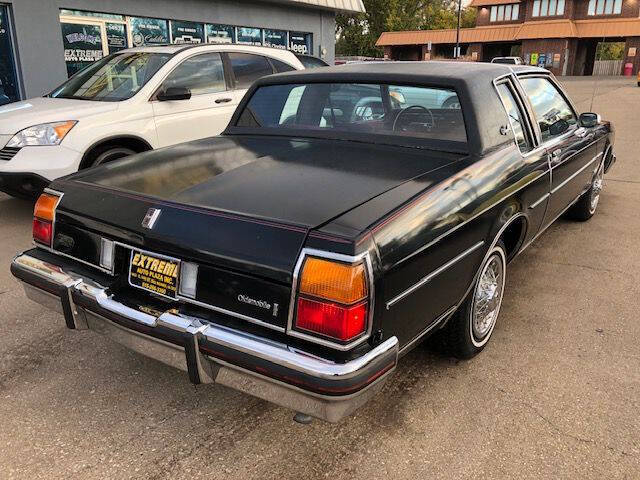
x=553, y=113
x=248, y=68
x=516, y=118
x=201, y=74
x=281, y=66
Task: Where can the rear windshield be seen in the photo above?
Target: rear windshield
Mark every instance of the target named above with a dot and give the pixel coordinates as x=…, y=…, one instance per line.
x=393, y=110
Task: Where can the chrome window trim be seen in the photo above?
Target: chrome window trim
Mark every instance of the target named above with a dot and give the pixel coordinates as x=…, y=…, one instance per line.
x=426, y=279
x=530, y=135
x=312, y=252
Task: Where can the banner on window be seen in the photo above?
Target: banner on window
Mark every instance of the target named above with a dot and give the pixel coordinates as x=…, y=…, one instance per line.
x=148, y=31
x=218, y=33
x=82, y=45
x=249, y=36
x=187, y=32
x=300, y=43
x=275, y=38
x=116, y=37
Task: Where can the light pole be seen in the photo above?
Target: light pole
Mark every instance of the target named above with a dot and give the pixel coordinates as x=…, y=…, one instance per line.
x=456, y=54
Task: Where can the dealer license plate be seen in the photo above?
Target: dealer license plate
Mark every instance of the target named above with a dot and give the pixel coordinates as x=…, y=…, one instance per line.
x=154, y=273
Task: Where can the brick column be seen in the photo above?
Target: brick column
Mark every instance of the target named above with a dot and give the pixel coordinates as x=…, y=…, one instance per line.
x=630, y=44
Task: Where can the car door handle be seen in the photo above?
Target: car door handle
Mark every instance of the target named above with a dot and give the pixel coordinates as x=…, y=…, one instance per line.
x=580, y=132
x=223, y=100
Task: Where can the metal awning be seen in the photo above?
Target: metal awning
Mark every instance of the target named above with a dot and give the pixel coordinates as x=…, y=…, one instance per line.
x=344, y=6
x=611, y=28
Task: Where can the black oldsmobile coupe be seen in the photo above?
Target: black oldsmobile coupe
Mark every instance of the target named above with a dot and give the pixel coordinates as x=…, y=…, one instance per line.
x=345, y=214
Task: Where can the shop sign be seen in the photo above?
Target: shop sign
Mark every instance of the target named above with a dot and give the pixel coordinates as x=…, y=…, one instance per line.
x=218, y=33
x=556, y=60
x=82, y=45
x=249, y=36
x=116, y=37
x=632, y=52
x=534, y=59
x=187, y=32
x=542, y=59
x=148, y=31
x=275, y=38
x=300, y=42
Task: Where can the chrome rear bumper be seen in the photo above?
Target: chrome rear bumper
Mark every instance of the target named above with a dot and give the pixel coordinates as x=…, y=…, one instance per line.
x=209, y=353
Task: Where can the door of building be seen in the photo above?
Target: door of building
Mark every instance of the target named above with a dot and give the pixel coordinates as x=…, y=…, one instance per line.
x=9, y=91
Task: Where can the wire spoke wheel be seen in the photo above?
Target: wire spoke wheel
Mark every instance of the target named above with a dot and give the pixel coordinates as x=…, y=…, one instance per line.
x=596, y=188
x=487, y=299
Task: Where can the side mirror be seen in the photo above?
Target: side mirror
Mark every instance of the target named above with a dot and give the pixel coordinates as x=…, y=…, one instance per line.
x=588, y=120
x=559, y=127
x=174, y=93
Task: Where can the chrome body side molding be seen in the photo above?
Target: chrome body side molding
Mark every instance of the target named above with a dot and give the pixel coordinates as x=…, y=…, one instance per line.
x=423, y=281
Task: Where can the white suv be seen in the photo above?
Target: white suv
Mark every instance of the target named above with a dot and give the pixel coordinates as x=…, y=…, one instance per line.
x=135, y=100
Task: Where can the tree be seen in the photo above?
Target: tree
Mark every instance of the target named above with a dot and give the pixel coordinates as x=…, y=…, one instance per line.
x=357, y=34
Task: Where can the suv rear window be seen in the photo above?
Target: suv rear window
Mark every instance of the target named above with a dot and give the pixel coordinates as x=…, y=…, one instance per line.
x=247, y=68
x=418, y=112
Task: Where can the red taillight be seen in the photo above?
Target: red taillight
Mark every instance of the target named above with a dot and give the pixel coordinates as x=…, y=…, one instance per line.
x=44, y=213
x=333, y=299
x=42, y=230
x=331, y=320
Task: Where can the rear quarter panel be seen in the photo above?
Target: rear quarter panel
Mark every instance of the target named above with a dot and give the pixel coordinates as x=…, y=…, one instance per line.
x=444, y=220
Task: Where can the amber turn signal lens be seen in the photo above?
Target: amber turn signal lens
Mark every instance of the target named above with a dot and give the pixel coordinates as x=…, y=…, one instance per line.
x=46, y=207
x=334, y=281
x=63, y=128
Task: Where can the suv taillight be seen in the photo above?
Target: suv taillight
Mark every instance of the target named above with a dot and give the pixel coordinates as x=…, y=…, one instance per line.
x=43, y=217
x=333, y=299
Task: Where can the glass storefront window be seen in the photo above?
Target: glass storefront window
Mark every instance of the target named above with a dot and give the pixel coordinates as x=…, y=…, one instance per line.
x=116, y=37
x=88, y=36
x=300, y=42
x=187, y=32
x=275, y=38
x=8, y=78
x=249, y=36
x=219, y=33
x=148, y=31
x=82, y=45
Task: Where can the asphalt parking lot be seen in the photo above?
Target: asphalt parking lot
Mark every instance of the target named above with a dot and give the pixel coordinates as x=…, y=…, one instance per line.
x=556, y=393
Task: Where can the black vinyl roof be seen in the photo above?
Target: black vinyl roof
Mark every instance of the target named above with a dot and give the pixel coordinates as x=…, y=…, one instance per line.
x=430, y=72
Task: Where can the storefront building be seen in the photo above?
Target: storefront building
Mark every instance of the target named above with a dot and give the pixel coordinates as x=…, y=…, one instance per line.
x=560, y=35
x=43, y=43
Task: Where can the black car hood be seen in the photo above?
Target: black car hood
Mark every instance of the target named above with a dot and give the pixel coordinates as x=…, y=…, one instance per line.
x=299, y=182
